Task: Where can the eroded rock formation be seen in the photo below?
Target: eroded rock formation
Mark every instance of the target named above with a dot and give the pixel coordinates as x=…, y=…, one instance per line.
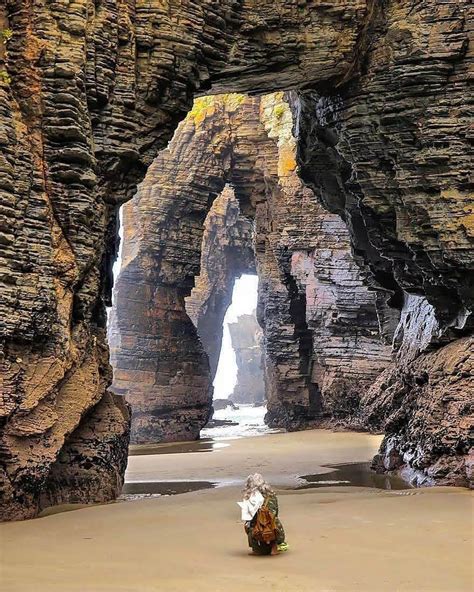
x=246, y=337
x=227, y=253
x=320, y=323
x=89, y=92
x=425, y=409
x=337, y=321
x=390, y=152
x=159, y=363
x=406, y=195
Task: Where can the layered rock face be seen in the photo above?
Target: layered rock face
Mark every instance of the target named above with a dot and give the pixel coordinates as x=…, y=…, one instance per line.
x=425, y=409
x=337, y=320
x=227, y=253
x=159, y=363
x=320, y=323
x=89, y=92
x=246, y=337
x=53, y=231
x=390, y=152
x=423, y=402
x=406, y=194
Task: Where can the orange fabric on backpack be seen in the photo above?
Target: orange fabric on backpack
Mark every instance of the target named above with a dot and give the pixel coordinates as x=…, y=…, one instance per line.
x=264, y=529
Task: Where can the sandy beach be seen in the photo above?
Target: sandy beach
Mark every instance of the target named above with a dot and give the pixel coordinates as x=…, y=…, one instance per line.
x=341, y=538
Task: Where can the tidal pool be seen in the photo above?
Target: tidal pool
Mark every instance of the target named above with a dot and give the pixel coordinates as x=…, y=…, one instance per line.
x=355, y=475
x=203, y=445
x=142, y=488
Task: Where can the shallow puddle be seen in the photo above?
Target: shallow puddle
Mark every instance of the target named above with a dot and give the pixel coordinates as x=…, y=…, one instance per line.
x=138, y=490
x=203, y=445
x=164, y=487
x=354, y=475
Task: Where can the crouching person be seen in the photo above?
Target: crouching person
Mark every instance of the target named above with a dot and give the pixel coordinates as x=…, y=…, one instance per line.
x=264, y=529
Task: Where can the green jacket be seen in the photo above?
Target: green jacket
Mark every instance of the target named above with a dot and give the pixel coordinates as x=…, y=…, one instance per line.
x=258, y=547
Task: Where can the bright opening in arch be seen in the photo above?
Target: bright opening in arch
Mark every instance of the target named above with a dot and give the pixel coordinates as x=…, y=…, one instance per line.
x=244, y=301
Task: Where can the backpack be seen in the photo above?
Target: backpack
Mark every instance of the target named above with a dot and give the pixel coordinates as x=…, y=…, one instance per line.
x=264, y=529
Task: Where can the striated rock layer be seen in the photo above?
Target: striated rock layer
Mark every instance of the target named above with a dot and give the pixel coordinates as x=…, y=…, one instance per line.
x=390, y=152
x=320, y=323
x=159, y=364
x=246, y=337
x=90, y=91
x=337, y=321
x=426, y=408
x=227, y=253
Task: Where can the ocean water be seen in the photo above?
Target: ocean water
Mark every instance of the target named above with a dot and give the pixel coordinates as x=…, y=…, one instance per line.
x=249, y=420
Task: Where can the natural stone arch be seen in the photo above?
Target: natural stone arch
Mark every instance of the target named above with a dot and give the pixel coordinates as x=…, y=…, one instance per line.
x=227, y=253
x=246, y=339
x=145, y=342
x=160, y=365
x=97, y=89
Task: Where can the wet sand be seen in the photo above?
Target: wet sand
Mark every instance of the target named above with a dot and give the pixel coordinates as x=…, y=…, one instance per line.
x=282, y=458
x=341, y=538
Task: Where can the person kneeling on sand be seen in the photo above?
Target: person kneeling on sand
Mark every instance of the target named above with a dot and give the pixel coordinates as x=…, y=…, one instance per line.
x=260, y=513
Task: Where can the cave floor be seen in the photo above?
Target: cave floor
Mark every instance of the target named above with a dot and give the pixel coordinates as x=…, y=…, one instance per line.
x=341, y=538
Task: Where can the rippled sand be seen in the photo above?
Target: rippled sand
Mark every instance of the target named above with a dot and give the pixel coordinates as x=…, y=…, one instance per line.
x=341, y=539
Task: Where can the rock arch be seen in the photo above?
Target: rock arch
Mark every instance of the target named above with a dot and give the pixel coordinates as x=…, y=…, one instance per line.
x=91, y=91
x=227, y=253
x=320, y=322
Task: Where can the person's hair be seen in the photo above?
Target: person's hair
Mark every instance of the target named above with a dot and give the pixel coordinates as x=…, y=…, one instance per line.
x=255, y=483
